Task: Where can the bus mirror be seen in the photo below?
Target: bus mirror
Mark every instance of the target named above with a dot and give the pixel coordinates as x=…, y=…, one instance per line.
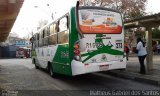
x=82, y=45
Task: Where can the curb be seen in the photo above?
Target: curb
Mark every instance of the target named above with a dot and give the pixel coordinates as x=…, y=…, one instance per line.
x=135, y=78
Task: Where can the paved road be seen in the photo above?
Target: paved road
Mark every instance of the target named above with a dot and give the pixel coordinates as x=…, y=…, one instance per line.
x=21, y=75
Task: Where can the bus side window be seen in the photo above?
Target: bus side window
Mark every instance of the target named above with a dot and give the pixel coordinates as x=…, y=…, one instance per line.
x=63, y=24
x=48, y=31
x=63, y=37
x=63, y=34
x=52, y=28
x=57, y=27
x=40, y=38
x=45, y=38
x=52, y=39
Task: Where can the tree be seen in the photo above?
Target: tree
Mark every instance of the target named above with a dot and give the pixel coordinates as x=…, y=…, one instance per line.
x=129, y=8
x=156, y=33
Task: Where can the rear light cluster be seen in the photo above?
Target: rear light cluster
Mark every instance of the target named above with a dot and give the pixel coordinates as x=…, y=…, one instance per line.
x=76, y=52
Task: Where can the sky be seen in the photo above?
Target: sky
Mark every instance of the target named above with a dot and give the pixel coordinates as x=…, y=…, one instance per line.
x=33, y=11
x=153, y=6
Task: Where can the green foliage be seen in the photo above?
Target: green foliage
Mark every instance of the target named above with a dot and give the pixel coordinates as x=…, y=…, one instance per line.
x=156, y=33
x=129, y=8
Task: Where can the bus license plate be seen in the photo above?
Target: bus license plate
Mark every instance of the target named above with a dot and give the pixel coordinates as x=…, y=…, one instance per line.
x=103, y=67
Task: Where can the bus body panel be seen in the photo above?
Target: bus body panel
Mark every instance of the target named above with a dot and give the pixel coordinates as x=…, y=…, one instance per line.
x=73, y=34
x=45, y=55
x=58, y=56
x=61, y=63
x=102, y=52
x=81, y=68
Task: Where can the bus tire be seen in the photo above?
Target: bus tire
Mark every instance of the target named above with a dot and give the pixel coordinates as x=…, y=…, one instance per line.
x=122, y=69
x=50, y=70
x=35, y=64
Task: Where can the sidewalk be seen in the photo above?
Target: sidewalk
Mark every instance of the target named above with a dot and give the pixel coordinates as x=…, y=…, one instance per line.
x=133, y=67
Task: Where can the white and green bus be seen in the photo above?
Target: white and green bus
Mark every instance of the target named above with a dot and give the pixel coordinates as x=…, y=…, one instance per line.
x=85, y=40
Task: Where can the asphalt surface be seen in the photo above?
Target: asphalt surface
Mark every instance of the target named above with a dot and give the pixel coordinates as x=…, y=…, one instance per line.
x=19, y=76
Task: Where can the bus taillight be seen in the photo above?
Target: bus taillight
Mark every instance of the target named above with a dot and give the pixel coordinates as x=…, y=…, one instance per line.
x=76, y=55
x=76, y=51
x=76, y=46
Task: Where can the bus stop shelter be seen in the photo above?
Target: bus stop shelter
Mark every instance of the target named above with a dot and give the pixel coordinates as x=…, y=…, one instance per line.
x=148, y=22
x=9, y=10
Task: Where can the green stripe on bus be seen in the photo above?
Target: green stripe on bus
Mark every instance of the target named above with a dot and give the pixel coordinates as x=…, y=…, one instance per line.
x=73, y=33
x=104, y=49
x=61, y=60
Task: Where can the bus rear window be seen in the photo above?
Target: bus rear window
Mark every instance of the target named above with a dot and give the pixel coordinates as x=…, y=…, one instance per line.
x=97, y=21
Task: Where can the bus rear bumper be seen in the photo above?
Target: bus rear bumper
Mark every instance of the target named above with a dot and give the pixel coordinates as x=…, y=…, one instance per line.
x=81, y=68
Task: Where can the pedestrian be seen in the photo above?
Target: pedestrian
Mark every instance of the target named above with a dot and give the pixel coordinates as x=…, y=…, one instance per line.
x=158, y=48
x=154, y=48
x=127, y=50
x=142, y=53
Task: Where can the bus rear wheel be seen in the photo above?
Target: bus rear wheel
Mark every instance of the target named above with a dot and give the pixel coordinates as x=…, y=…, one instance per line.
x=35, y=64
x=50, y=70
